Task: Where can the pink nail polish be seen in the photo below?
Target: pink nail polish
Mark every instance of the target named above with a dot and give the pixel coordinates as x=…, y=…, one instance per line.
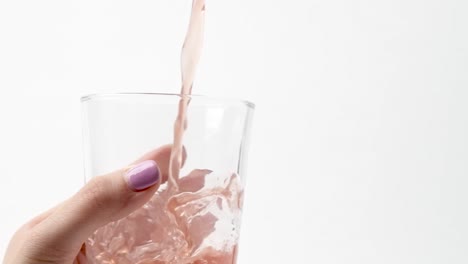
x=143, y=175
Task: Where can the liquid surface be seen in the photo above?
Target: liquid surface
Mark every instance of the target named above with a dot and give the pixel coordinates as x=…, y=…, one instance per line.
x=198, y=225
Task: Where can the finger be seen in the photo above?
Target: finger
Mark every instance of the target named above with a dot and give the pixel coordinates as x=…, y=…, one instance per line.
x=36, y=220
x=104, y=199
x=159, y=152
x=163, y=154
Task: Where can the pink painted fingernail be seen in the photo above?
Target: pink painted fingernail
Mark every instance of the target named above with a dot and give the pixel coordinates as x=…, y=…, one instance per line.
x=143, y=175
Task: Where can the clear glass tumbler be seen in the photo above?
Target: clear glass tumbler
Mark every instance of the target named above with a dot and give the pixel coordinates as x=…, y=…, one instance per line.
x=200, y=224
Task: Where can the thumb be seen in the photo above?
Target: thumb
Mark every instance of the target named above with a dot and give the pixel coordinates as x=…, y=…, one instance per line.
x=103, y=199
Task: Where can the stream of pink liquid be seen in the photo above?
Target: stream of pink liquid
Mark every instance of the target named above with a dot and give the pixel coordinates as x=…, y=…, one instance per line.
x=193, y=219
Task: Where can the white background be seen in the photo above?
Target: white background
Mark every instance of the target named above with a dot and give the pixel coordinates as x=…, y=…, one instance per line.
x=359, y=150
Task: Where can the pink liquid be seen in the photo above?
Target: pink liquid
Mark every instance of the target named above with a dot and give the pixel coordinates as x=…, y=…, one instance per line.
x=193, y=219
x=197, y=225
x=191, y=52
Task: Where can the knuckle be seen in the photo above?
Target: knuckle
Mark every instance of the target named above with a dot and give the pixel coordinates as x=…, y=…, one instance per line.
x=97, y=195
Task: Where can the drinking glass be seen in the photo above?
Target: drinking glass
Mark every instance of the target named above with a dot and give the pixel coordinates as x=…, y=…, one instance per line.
x=203, y=224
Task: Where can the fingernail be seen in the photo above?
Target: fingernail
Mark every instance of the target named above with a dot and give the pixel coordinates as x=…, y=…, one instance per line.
x=143, y=175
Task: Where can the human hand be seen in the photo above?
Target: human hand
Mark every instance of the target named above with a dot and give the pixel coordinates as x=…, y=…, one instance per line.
x=57, y=235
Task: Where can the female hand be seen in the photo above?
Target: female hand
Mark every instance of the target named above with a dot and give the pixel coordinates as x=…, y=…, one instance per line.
x=57, y=236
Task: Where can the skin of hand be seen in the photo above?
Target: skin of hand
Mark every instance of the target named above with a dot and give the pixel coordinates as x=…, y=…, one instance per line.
x=58, y=235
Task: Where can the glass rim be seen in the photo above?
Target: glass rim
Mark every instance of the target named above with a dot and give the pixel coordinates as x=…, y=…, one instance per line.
x=97, y=96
